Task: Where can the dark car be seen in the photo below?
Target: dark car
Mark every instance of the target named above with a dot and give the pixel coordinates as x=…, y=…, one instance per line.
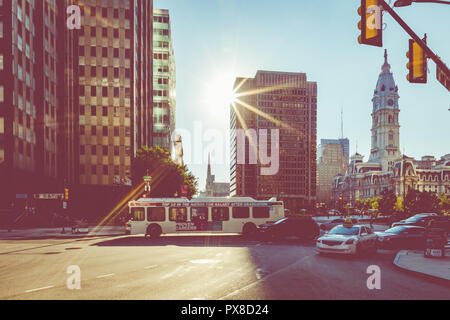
x=422, y=220
x=402, y=237
x=326, y=226
x=301, y=227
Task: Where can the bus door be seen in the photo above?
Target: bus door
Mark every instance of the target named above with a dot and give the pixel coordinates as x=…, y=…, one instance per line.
x=137, y=222
x=220, y=219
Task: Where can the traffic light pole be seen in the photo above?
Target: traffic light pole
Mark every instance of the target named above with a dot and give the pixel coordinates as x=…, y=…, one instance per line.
x=430, y=54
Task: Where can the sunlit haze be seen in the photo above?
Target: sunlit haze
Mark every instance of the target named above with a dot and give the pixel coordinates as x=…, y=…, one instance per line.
x=216, y=41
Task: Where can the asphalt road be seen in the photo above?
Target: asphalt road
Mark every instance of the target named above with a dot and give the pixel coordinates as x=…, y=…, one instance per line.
x=198, y=267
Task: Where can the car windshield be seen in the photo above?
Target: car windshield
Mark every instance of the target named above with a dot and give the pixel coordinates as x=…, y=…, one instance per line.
x=281, y=221
x=349, y=231
x=395, y=230
x=414, y=219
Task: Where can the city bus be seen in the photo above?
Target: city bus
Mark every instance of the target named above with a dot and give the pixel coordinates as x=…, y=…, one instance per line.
x=156, y=216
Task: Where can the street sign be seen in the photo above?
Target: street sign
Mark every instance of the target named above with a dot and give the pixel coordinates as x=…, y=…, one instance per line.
x=442, y=78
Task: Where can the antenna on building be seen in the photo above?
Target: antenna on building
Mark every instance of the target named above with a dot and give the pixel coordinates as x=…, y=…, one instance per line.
x=342, y=122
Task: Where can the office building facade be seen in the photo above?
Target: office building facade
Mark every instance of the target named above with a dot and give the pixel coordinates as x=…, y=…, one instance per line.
x=109, y=84
x=29, y=98
x=164, y=80
x=286, y=103
x=331, y=162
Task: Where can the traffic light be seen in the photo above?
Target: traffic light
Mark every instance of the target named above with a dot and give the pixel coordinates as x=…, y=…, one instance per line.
x=417, y=65
x=66, y=193
x=371, y=23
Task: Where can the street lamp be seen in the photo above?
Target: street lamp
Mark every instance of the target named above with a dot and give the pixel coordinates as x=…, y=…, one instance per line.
x=405, y=3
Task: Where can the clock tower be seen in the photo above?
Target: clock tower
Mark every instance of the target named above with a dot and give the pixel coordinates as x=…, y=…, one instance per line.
x=385, y=125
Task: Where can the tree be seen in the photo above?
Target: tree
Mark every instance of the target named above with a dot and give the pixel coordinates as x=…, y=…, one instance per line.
x=387, y=202
x=359, y=204
x=398, y=207
x=374, y=203
x=168, y=178
x=444, y=203
x=419, y=202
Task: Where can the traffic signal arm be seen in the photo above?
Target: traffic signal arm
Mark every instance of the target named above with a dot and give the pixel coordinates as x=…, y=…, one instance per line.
x=427, y=51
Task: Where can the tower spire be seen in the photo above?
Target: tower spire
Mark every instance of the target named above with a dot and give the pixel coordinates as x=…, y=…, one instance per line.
x=209, y=164
x=342, y=122
x=386, y=66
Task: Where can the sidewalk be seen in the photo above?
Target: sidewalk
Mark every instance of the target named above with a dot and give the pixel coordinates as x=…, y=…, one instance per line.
x=414, y=261
x=56, y=233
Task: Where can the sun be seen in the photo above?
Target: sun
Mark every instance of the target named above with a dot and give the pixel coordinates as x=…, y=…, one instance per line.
x=218, y=93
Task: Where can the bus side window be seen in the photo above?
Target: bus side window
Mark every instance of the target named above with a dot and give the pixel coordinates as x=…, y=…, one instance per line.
x=261, y=212
x=156, y=214
x=178, y=214
x=199, y=214
x=220, y=214
x=138, y=214
x=241, y=212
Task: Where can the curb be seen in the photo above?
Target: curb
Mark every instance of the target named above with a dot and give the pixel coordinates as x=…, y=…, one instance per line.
x=59, y=236
x=427, y=276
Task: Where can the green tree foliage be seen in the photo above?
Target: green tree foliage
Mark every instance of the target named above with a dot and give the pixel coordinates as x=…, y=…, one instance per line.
x=444, y=203
x=363, y=204
x=419, y=202
x=398, y=207
x=375, y=203
x=387, y=202
x=167, y=177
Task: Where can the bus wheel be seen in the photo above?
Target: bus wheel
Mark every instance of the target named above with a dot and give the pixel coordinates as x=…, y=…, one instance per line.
x=249, y=230
x=154, y=231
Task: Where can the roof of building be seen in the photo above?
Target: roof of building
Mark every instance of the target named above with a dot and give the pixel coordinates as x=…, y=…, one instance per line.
x=385, y=84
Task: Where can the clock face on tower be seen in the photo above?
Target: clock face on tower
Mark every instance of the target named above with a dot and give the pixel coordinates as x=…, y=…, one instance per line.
x=390, y=102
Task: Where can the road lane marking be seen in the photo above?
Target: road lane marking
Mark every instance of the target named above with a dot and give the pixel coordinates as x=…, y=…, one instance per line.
x=38, y=289
x=105, y=276
x=151, y=267
x=171, y=274
x=204, y=261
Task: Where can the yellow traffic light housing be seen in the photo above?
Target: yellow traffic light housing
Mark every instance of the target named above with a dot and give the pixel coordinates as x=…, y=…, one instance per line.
x=66, y=194
x=371, y=23
x=417, y=65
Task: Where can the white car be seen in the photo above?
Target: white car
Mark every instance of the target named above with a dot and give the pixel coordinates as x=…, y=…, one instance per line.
x=348, y=239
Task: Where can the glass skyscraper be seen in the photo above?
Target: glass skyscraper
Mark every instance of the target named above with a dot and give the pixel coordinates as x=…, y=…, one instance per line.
x=164, y=80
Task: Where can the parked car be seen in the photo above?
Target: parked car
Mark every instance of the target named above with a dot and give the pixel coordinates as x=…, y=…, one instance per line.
x=402, y=237
x=301, y=227
x=334, y=212
x=348, y=238
x=421, y=220
x=398, y=216
x=326, y=226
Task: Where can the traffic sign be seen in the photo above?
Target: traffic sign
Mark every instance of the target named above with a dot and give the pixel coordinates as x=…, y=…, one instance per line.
x=442, y=77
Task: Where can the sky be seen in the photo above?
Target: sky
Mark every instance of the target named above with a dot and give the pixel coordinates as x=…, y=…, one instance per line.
x=216, y=41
